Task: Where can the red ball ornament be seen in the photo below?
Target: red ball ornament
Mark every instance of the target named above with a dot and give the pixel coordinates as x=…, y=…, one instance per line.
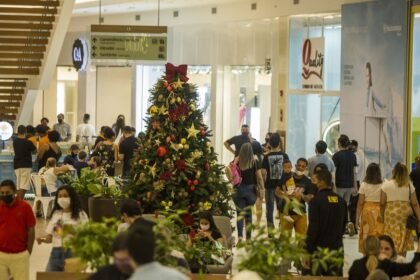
x=192, y=188
x=203, y=133
x=165, y=84
x=189, y=182
x=206, y=166
x=161, y=151
x=169, y=88
x=180, y=165
x=173, y=137
x=195, y=182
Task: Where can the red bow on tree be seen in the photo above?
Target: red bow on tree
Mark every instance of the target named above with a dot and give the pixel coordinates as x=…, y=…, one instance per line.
x=173, y=72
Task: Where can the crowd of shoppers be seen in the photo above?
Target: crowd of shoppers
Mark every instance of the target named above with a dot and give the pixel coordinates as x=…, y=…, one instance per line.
x=323, y=188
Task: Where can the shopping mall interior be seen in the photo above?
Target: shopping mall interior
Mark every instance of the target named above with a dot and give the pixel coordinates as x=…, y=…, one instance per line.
x=143, y=109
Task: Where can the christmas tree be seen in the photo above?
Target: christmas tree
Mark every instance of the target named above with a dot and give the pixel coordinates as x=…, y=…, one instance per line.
x=176, y=167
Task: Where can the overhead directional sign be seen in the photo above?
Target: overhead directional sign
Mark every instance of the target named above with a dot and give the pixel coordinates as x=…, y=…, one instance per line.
x=128, y=46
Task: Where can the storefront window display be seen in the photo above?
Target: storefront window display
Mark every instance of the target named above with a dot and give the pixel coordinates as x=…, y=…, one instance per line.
x=67, y=83
x=148, y=75
x=313, y=115
x=415, y=88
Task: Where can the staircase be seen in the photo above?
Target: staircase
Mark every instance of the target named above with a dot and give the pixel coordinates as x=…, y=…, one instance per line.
x=27, y=30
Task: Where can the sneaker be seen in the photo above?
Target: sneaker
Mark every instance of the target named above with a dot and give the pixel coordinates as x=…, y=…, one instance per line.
x=351, y=229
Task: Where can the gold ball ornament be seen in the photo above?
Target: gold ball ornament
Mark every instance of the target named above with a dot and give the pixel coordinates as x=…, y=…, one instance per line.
x=178, y=99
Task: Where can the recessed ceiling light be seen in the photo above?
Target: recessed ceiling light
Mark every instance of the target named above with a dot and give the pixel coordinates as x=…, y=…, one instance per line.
x=85, y=1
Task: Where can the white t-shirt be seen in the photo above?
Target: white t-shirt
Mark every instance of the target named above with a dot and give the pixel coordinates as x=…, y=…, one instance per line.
x=85, y=130
x=395, y=193
x=372, y=192
x=60, y=219
x=50, y=180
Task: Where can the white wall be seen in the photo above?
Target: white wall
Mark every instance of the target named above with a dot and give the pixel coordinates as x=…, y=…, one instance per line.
x=113, y=95
x=229, y=12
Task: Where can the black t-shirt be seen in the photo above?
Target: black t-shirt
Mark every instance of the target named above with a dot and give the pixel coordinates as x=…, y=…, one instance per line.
x=70, y=159
x=344, y=161
x=127, y=148
x=273, y=164
x=249, y=176
x=79, y=165
x=23, y=149
x=215, y=234
x=238, y=141
x=327, y=221
x=109, y=272
x=307, y=187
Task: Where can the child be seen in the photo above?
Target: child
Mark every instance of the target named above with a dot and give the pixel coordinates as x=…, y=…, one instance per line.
x=286, y=189
x=81, y=162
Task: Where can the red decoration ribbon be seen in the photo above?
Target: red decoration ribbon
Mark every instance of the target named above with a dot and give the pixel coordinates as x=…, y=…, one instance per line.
x=173, y=72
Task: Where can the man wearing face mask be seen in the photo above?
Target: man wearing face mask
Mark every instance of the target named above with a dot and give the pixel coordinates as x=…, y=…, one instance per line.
x=63, y=128
x=239, y=140
x=304, y=192
x=17, y=233
x=121, y=268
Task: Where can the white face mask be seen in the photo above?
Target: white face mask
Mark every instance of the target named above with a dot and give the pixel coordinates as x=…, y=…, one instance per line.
x=64, y=202
x=204, y=227
x=299, y=173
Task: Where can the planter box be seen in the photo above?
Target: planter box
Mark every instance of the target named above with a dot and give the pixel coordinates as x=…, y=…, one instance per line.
x=84, y=203
x=85, y=276
x=103, y=208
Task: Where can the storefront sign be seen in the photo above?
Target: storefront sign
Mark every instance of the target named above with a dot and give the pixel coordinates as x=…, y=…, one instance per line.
x=313, y=64
x=129, y=47
x=80, y=54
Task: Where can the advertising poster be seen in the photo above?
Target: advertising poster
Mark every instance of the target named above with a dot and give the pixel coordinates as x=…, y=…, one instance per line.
x=373, y=79
x=313, y=64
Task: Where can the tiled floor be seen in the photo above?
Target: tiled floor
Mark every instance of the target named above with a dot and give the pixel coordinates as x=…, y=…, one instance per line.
x=41, y=253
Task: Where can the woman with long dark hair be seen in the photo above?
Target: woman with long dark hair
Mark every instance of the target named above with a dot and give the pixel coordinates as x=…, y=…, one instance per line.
x=66, y=211
x=368, y=209
x=107, y=150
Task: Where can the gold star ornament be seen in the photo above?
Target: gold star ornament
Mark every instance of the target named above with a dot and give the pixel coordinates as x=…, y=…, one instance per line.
x=192, y=132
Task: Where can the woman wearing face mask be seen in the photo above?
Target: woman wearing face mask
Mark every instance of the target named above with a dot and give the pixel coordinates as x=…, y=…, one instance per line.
x=208, y=230
x=207, y=233
x=66, y=211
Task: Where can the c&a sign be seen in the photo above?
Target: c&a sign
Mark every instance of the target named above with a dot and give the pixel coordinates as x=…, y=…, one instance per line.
x=313, y=64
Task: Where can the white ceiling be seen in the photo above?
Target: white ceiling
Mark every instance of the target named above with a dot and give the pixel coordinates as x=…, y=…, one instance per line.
x=89, y=7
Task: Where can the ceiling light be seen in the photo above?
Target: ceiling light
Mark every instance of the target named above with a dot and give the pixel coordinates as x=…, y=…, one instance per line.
x=85, y=1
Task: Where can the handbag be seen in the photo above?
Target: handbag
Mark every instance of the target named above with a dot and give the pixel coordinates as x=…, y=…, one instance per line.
x=412, y=221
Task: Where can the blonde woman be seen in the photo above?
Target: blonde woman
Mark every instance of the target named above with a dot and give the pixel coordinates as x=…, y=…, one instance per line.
x=368, y=209
x=373, y=260
x=398, y=200
x=246, y=192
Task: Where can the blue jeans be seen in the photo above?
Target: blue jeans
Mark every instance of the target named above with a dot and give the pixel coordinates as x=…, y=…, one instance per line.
x=270, y=200
x=57, y=257
x=244, y=198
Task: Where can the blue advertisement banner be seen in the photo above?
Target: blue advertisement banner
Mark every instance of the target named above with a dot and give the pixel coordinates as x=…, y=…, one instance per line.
x=373, y=79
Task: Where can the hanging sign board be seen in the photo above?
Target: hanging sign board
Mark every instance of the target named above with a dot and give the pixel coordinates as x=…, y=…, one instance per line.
x=128, y=43
x=313, y=64
x=79, y=54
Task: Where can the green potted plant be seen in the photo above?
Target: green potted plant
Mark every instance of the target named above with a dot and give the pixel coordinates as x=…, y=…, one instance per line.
x=91, y=243
x=104, y=201
x=81, y=185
